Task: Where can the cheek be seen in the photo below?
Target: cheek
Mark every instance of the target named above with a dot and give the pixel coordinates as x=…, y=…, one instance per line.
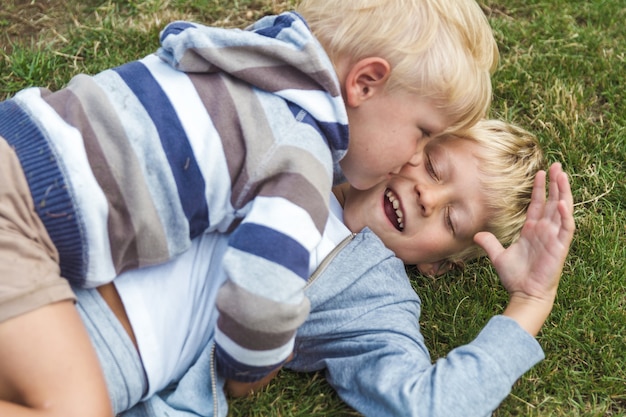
x=404, y=145
x=426, y=247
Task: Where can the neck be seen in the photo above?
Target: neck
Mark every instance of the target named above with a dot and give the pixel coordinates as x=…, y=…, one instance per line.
x=341, y=191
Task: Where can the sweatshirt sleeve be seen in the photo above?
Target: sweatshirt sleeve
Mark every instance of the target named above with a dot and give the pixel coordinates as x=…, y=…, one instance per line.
x=368, y=338
x=262, y=303
x=472, y=380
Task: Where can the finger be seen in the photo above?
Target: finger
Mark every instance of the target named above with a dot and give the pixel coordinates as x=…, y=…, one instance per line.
x=568, y=225
x=565, y=191
x=489, y=243
x=554, y=194
x=555, y=172
x=538, y=197
x=565, y=198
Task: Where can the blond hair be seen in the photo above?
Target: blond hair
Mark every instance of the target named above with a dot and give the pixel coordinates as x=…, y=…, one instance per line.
x=443, y=50
x=509, y=158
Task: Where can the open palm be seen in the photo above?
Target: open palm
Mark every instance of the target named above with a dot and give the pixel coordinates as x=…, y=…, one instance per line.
x=532, y=266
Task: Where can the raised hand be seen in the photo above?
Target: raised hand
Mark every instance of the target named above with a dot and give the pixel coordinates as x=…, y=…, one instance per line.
x=530, y=269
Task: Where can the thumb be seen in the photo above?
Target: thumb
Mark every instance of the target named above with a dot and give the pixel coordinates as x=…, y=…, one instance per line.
x=489, y=243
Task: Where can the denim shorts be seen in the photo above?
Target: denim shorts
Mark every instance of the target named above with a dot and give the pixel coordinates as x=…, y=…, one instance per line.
x=120, y=361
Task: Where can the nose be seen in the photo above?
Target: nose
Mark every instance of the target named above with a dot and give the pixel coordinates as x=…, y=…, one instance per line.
x=428, y=197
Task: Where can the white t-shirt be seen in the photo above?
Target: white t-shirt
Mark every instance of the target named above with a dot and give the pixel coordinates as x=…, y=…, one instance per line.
x=171, y=307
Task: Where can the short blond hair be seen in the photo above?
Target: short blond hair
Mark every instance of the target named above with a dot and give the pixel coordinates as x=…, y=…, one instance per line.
x=509, y=158
x=443, y=50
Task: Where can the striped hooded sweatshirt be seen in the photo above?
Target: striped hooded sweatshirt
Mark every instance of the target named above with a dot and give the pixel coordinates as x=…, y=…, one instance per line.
x=225, y=130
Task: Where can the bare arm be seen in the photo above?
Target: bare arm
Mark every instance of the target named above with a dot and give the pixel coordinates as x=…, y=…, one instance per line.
x=530, y=269
x=49, y=367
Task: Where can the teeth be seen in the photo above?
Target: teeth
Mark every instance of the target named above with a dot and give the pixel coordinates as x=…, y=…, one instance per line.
x=396, y=205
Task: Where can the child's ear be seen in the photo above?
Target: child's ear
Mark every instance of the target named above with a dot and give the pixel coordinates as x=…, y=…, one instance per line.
x=366, y=78
x=434, y=269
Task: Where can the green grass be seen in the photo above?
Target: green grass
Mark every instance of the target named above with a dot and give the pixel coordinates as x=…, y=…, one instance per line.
x=561, y=75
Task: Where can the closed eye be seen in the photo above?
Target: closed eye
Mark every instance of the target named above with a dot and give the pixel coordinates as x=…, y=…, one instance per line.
x=449, y=223
x=430, y=169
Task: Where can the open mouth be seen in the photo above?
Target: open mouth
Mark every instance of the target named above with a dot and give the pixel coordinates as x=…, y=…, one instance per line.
x=393, y=209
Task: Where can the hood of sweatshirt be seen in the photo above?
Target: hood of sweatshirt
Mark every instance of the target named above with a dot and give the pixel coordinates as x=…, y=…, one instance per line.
x=277, y=54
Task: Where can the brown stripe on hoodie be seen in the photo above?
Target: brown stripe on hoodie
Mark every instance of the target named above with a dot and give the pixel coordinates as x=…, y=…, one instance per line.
x=131, y=212
x=246, y=306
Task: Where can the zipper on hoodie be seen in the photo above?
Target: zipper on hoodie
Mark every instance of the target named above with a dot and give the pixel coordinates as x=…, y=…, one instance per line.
x=324, y=264
x=214, y=383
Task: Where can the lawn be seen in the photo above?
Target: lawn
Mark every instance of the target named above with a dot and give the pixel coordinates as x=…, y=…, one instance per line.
x=561, y=76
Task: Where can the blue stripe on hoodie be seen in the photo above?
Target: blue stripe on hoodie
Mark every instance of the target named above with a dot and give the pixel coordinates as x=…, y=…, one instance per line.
x=187, y=174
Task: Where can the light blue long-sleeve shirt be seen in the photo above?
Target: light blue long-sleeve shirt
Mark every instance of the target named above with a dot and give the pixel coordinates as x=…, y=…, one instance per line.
x=364, y=331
